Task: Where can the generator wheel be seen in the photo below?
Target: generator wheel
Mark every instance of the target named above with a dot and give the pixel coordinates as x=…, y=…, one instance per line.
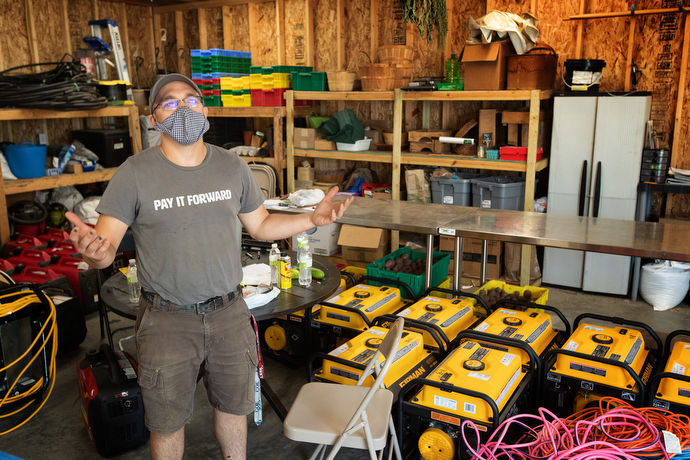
x=275, y=337
x=435, y=444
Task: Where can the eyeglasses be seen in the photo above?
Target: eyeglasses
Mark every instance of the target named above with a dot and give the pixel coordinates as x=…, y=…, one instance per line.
x=173, y=104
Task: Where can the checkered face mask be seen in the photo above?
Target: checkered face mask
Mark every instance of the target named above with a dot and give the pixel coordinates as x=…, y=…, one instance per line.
x=185, y=126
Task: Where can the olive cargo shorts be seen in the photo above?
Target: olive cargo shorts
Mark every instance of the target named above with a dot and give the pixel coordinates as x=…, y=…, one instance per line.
x=174, y=347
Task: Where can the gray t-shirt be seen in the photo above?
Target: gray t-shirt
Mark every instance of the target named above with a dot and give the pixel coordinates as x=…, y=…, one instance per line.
x=184, y=220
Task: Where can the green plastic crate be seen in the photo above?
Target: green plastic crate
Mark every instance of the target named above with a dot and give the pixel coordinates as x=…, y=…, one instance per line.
x=439, y=270
x=309, y=81
x=213, y=101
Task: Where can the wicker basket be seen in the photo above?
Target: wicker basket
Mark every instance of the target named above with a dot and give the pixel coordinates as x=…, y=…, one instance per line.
x=388, y=137
x=341, y=80
x=378, y=83
x=533, y=70
x=403, y=74
x=395, y=53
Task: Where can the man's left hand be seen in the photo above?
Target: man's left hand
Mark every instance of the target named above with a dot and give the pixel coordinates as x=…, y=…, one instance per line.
x=327, y=212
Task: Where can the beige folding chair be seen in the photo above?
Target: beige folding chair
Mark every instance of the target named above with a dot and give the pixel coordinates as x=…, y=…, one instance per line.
x=346, y=415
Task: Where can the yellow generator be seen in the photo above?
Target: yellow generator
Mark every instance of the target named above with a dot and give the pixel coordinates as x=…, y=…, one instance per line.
x=346, y=363
x=444, y=318
x=670, y=389
x=600, y=361
x=485, y=380
x=347, y=314
x=287, y=337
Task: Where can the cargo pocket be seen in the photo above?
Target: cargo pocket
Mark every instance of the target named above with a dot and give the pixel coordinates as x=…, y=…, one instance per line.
x=153, y=393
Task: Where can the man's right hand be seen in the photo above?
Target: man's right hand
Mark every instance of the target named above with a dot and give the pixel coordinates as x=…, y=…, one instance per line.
x=91, y=245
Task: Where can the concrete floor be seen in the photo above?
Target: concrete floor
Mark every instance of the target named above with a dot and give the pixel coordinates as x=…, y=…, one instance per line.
x=57, y=431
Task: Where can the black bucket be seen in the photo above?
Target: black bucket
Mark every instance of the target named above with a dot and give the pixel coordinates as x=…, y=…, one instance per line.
x=583, y=74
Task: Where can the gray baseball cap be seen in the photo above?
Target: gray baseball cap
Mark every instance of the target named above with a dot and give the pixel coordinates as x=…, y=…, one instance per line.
x=168, y=79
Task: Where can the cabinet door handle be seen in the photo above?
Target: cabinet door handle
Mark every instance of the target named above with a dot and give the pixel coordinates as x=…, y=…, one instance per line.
x=597, y=191
x=583, y=190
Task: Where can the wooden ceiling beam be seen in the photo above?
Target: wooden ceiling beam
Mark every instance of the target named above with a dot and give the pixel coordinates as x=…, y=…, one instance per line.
x=205, y=4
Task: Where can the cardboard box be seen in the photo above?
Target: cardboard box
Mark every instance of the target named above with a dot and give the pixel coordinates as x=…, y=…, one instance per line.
x=323, y=144
x=323, y=241
x=304, y=138
x=485, y=66
x=305, y=173
x=72, y=168
x=362, y=243
x=472, y=256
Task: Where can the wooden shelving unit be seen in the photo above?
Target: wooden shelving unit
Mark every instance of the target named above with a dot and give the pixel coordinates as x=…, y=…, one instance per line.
x=278, y=161
x=49, y=182
x=398, y=158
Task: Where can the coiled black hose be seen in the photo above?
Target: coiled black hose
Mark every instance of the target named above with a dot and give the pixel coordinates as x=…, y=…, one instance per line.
x=65, y=87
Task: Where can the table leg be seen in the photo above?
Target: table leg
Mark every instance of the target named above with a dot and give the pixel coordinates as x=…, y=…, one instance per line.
x=457, y=263
x=637, y=261
x=482, y=269
x=273, y=400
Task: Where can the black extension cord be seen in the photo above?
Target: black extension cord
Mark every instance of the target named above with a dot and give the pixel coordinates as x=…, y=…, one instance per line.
x=65, y=87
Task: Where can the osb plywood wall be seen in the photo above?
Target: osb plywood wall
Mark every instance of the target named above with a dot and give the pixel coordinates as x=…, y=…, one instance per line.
x=657, y=52
x=254, y=27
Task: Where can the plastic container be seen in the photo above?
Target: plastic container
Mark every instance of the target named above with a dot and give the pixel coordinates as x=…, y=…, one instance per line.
x=27, y=160
x=452, y=70
x=499, y=192
x=517, y=153
x=453, y=191
x=439, y=270
x=113, y=146
x=583, y=74
x=309, y=81
x=539, y=295
x=358, y=146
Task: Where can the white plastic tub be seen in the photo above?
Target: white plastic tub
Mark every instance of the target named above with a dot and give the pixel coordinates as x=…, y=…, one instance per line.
x=356, y=147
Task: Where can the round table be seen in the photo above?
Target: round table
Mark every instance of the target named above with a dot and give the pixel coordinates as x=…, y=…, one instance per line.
x=115, y=295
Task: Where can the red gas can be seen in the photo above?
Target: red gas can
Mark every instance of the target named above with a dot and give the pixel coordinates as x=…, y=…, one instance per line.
x=22, y=242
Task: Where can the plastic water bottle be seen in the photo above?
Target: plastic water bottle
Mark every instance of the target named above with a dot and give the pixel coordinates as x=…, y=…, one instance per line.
x=304, y=259
x=133, y=281
x=452, y=70
x=273, y=257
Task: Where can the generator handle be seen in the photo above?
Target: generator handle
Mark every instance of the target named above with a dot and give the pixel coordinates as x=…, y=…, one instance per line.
x=349, y=275
x=655, y=381
x=346, y=308
x=385, y=282
x=536, y=305
x=626, y=322
x=597, y=359
x=669, y=342
x=320, y=355
x=436, y=333
x=457, y=292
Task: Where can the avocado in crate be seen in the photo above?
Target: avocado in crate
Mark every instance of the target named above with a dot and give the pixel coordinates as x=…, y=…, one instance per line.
x=409, y=266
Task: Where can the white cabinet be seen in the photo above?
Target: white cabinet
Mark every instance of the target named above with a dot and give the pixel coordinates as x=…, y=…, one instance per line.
x=596, y=152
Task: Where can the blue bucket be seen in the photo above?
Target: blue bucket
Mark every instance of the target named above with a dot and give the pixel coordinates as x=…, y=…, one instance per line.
x=27, y=160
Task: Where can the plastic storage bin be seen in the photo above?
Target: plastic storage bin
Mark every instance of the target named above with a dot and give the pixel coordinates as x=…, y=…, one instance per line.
x=499, y=192
x=27, y=160
x=309, y=81
x=439, y=270
x=453, y=191
x=360, y=145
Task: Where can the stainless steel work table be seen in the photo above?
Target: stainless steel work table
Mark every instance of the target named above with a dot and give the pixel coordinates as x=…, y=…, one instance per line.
x=611, y=236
